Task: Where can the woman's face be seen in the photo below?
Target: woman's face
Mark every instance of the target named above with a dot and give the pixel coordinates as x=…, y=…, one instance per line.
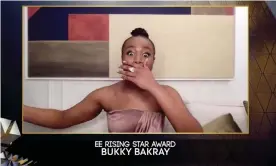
x=137, y=50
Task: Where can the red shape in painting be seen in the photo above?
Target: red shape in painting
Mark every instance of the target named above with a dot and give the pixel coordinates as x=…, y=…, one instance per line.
x=93, y=27
x=32, y=11
x=229, y=10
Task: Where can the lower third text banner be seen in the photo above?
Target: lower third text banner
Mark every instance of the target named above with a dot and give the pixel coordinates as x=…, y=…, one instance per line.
x=136, y=148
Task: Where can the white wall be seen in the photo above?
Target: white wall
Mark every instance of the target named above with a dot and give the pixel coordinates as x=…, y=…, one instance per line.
x=209, y=94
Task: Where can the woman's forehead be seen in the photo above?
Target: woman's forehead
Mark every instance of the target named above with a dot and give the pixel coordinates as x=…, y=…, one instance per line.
x=138, y=42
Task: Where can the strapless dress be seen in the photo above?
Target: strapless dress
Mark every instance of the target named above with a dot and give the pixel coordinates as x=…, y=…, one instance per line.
x=134, y=120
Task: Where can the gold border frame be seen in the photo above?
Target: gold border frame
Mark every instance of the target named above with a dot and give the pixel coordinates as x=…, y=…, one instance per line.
x=161, y=133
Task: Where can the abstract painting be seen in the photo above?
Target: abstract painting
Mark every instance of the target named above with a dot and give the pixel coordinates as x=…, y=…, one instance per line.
x=85, y=42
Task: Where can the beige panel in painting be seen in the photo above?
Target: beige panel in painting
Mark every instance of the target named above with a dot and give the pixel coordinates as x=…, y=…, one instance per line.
x=187, y=46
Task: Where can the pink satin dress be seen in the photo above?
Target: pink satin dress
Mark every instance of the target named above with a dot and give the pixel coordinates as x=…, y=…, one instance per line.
x=134, y=120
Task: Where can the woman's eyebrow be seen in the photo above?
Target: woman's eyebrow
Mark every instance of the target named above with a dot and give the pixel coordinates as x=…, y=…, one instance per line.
x=144, y=47
x=130, y=47
x=147, y=47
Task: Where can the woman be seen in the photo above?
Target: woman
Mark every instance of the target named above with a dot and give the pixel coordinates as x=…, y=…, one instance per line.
x=135, y=104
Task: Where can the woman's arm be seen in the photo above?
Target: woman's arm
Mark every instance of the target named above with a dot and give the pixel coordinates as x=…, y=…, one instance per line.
x=84, y=111
x=175, y=109
x=168, y=98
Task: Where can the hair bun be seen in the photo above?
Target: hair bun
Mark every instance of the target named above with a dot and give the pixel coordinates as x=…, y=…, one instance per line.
x=140, y=32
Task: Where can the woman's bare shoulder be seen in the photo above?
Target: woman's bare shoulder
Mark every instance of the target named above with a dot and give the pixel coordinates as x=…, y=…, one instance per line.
x=105, y=91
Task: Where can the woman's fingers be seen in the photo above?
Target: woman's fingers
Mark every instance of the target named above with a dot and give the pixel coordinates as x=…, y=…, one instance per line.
x=127, y=63
x=127, y=73
x=129, y=68
x=131, y=64
x=132, y=79
x=125, y=67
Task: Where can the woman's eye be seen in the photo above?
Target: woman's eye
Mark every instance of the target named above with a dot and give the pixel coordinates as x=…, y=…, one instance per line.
x=146, y=55
x=130, y=53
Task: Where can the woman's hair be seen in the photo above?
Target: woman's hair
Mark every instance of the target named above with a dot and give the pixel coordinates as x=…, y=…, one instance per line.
x=139, y=32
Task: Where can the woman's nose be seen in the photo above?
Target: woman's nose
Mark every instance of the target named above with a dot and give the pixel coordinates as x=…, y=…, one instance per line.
x=137, y=59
